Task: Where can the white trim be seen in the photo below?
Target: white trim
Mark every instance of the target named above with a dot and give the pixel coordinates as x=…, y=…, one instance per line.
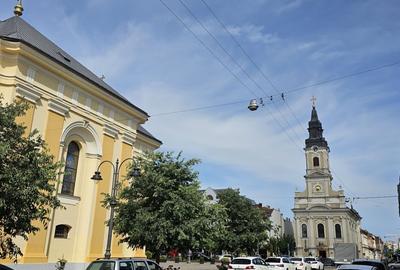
x=129, y=138
x=75, y=96
x=85, y=130
x=28, y=93
x=60, y=89
x=70, y=200
x=88, y=103
x=30, y=74
x=111, y=131
x=58, y=107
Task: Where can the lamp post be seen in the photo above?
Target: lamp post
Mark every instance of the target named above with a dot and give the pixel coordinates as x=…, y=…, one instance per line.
x=97, y=176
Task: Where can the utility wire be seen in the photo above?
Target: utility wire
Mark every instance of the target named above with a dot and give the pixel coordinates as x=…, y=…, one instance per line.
x=208, y=48
x=214, y=55
x=294, y=89
x=250, y=59
x=237, y=64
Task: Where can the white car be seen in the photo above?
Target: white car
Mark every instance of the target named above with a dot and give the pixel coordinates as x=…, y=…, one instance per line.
x=315, y=263
x=301, y=263
x=241, y=263
x=280, y=263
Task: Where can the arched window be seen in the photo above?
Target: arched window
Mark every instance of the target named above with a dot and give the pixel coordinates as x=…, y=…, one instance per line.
x=321, y=231
x=210, y=197
x=62, y=231
x=71, y=166
x=304, y=231
x=338, y=231
x=316, y=162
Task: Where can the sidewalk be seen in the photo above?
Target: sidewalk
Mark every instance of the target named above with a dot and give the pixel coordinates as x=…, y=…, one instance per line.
x=190, y=266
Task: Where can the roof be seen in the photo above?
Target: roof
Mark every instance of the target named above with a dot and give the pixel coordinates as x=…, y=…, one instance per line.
x=16, y=29
x=146, y=133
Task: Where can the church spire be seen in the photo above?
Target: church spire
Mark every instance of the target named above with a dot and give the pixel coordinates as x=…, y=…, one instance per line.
x=315, y=131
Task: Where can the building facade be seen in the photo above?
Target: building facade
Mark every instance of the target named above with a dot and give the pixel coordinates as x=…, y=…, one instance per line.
x=371, y=246
x=84, y=121
x=322, y=220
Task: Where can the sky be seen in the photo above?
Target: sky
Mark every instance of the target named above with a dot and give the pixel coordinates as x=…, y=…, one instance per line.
x=175, y=55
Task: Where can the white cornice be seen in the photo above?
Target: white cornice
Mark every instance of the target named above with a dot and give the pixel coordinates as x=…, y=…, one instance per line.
x=58, y=107
x=129, y=138
x=28, y=93
x=110, y=131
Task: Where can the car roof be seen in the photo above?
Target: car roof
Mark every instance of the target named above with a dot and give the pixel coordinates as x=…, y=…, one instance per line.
x=246, y=257
x=355, y=267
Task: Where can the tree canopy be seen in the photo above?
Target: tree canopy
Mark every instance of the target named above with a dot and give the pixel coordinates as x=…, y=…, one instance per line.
x=246, y=227
x=27, y=186
x=163, y=208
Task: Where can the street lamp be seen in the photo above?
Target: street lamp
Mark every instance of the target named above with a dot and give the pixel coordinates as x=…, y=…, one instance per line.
x=97, y=177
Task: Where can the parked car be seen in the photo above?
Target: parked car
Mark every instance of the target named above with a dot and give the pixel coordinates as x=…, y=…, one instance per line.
x=377, y=264
x=301, y=263
x=280, y=263
x=3, y=267
x=229, y=256
x=256, y=263
x=315, y=263
x=123, y=264
x=327, y=261
x=355, y=267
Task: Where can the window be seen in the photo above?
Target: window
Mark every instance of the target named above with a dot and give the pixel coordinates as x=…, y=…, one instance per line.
x=321, y=231
x=316, y=162
x=304, y=231
x=71, y=166
x=210, y=197
x=125, y=265
x=338, y=231
x=62, y=231
x=153, y=266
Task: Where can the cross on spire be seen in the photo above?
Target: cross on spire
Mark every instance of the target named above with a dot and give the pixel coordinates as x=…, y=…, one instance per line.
x=313, y=100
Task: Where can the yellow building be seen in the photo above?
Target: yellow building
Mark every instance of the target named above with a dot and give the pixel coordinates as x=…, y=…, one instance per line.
x=83, y=121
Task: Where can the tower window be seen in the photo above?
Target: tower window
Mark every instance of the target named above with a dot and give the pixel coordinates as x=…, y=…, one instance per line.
x=316, y=162
x=304, y=231
x=338, y=231
x=71, y=166
x=321, y=231
x=62, y=231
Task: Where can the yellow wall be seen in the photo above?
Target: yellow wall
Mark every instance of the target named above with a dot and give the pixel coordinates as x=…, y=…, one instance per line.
x=35, y=248
x=27, y=119
x=97, y=244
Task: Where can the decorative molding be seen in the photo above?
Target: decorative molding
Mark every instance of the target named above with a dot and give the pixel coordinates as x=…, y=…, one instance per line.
x=112, y=114
x=28, y=93
x=100, y=109
x=75, y=97
x=88, y=103
x=58, y=107
x=89, y=135
x=31, y=74
x=129, y=138
x=93, y=156
x=110, y=131
x=67, y=199
x=60, y=89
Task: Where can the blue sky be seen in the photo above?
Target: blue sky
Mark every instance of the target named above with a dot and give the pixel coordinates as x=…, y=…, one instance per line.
x=148, y=55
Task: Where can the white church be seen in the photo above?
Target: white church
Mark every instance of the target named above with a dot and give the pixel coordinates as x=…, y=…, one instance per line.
x=322, y=220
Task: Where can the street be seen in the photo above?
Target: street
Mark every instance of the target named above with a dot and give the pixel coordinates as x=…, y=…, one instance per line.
x=205, y=266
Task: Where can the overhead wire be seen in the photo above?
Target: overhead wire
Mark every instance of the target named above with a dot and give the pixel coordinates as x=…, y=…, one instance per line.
x=251, y=59
x=221, y=46
x=208, y=48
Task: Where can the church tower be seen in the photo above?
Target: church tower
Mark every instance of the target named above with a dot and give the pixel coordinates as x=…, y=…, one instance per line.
x=323, y=223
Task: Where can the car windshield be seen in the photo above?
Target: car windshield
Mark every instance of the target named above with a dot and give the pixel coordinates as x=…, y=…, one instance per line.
x=296, y=259
x=241, y=261
x=309, y=259
x=273, y=260
x=101, y=265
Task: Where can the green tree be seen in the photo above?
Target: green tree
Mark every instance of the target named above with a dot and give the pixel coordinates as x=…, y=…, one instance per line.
x=27, y=189
x=279, y=245
x=163, y=209
x=247, y=226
